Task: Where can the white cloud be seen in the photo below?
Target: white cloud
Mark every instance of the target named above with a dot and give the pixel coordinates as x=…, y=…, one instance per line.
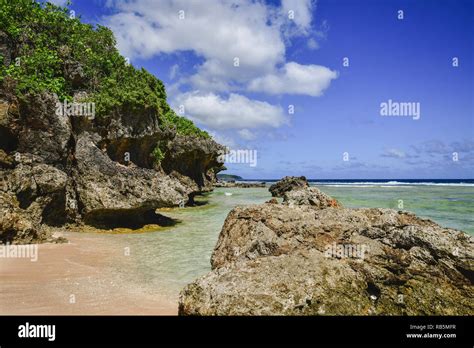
x=174, y=70
x=235, y=112
x=222, y=139
x=295, y=78
x=394, y=153
x=300, y=11
x=313, y=44
x=246, y=134
x=218, y=30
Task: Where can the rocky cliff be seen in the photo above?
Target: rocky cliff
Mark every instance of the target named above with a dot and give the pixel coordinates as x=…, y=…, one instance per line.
x=311, y=256
x=110, y=168
x=57, y=171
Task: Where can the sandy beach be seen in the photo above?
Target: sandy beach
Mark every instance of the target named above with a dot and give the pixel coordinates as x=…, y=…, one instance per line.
x=71, y=279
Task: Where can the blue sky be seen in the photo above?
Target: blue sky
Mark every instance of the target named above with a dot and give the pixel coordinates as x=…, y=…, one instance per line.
x=291, y=53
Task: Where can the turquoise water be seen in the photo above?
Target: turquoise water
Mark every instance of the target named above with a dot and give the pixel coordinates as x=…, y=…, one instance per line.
x=166, y=260
x=450, y=206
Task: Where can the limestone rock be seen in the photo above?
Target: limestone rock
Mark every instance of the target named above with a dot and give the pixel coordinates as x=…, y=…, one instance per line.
x=313, y=259
x=38, y=188
x=63, y=168
x=104, y=185
x=41, y=130
x=286, y=184
x=69, y=169
x=195, y=158
x=309, y=196
x=16, y=226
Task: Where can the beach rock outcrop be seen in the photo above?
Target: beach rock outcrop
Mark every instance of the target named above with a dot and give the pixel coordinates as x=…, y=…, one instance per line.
x=42, y=131
x=22, y=226
x=107, y=189
x=195, y=158
x=67, y=169
x=15, y=225
x=88, y=141
x=277, y=259
x=63, y=169
x=38, y=188
x=309, y=196
x=286, y=184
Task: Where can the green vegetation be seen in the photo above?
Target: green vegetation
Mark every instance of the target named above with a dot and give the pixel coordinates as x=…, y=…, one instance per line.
x=48, y=42
x=158, y=153
x=226, y=177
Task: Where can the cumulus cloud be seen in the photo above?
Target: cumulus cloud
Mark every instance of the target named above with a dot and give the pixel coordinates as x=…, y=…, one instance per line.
x=250, y=31
x=222, y=139
x=295, y=78
x=240, y=47
x=219, y=31
x=234, y=112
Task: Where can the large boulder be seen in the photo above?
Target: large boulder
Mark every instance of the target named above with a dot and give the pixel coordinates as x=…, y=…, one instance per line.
x=280, y=259
x=38, y=188
x=287, y=184
x=17, y=226
x=309, y=196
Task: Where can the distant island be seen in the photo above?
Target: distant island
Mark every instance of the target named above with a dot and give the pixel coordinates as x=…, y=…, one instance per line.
x=228, y=177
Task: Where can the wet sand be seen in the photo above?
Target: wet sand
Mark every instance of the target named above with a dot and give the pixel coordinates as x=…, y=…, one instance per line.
x=72, y=279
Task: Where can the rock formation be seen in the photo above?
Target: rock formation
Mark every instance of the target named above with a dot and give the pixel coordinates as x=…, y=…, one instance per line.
x=310, y=256
x=57, y=168
x=286, y=184
x=63, y=170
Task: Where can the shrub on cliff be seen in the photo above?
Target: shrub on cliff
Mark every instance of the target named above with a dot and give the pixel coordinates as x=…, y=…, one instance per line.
x=51, y=50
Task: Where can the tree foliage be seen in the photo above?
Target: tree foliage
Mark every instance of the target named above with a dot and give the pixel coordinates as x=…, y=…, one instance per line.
x=46, y=39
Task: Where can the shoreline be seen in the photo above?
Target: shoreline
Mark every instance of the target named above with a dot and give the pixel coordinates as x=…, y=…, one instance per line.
x=87, y=266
